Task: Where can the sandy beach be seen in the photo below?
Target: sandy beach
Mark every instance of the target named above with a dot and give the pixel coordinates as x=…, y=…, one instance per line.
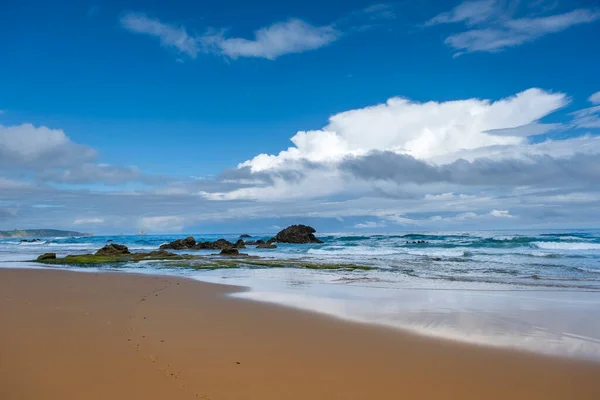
x=69, y=335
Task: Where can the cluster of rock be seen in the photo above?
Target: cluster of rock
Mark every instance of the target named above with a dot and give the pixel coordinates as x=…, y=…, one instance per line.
x=115, y=251
x=30, y=241
x=189, y=243
x=300, y=234
x=417, y=242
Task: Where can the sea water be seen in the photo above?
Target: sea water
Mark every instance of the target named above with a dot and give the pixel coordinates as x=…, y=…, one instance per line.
x=537, y=291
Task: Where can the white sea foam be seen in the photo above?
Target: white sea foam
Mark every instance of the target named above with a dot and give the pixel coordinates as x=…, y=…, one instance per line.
x=567, y=246
x=438, y=252
x=353, y=251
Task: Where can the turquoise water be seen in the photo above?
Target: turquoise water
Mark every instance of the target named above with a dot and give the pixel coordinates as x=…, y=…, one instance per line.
x=538, y=291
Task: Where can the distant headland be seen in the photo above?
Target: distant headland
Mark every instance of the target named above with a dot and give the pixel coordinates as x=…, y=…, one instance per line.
x=23, y=233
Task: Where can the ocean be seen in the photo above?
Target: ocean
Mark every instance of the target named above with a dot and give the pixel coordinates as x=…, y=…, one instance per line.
x=531, y=290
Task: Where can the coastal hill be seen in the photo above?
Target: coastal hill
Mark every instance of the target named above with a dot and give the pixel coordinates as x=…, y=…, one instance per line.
x=26, y=233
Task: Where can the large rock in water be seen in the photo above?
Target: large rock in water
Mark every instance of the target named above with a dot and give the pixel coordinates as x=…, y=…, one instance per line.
x=47, y=256
x=112, y=250
x=180, y=244
x=297, y=234
x=229, y=252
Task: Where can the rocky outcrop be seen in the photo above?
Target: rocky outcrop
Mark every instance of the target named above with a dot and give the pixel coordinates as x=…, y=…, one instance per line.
x=219, y=244
x=240, y=244
x=30, y=241
x=245, y=236
x=180, y=244
x=229, y=252
x=155, y=254
x=299, y=234
x=255, y=242
x=190, y=243
x=47, y=256
x=113, y=250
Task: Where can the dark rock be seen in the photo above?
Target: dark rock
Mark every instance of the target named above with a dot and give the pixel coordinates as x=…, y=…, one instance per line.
x=219, y=244
x=47, y=256
x=297, y=234
x=536, y=277
x=255, y=242
x=229, y=252
x=30, y=241
x=245, y=236
x=113, y=250
x=240, y=244
x=180, y=244
x=222, y=244
x=109, y=241
x=271, y=241
x=158, y=253
x=266, y=246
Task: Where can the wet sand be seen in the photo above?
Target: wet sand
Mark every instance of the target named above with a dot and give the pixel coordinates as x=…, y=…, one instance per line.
x=68, y=335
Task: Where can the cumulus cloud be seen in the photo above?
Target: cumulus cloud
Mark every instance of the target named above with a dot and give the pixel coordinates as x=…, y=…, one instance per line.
x=403, y=164
x=40, y=147
x=53, y=157
x=492, y=26
x=418, y=130
x=463, y=154
x=595, y=98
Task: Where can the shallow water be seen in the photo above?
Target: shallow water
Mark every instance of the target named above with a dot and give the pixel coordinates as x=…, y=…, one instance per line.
x=538, y=291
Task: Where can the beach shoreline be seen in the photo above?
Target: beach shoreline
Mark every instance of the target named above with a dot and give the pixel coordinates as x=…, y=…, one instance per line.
x=112, y=335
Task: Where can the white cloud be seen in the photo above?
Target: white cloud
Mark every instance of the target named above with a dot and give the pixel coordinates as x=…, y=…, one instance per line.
x=595, y=98
x=448, y=196
x=432, y=150
x=472, y=216
x=6, y=183
x=469, y=12
x=494, y=28
x=88, y=221
x=587, y=118
x=163, y=224
x=40, y=147
x=170, y=35
x=500, y=214
x=293, y=36
x=370, y=225
x=270, y=42
x=421, y=130
x=53, y=157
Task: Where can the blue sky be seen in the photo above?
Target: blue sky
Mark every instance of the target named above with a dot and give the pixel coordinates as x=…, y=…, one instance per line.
x=153, y=115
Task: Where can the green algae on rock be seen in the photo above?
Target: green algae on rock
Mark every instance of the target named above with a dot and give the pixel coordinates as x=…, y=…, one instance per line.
x=230, y=258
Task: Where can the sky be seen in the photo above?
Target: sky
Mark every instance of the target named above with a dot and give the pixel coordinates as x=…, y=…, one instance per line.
x=353, y=116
